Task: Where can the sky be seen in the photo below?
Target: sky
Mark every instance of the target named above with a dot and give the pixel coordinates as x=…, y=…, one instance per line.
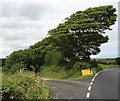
x=25, y=22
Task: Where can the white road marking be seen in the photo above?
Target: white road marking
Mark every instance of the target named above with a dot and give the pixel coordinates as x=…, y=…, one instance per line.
x=96, y=75
x=89, y=88
x=88, y=95
x=93, y=79
x=91, y=83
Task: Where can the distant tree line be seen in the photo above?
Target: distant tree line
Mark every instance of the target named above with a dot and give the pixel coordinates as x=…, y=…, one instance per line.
x=117, y=60
x=2, y=62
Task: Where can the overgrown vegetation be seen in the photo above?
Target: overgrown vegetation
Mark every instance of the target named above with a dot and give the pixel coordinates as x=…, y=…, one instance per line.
x=53, y=72
x=57, y=72
x=25, y=86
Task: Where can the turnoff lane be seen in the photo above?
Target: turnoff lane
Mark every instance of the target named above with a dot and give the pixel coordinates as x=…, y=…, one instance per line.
x=104, y=85
x=69, y=89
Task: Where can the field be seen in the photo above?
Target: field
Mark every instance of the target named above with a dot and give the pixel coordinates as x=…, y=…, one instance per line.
x=106, y=60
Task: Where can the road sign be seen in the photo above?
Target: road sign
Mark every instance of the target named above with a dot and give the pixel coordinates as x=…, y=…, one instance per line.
x=86, y=72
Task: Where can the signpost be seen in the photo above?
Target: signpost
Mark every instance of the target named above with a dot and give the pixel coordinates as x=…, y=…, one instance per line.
x=86, y=72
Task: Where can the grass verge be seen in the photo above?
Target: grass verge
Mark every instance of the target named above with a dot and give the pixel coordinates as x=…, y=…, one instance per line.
x=25, y=86
x=53, y=72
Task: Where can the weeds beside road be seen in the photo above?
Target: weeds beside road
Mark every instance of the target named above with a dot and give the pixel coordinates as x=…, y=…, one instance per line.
x=54, y=73
x=25, y=86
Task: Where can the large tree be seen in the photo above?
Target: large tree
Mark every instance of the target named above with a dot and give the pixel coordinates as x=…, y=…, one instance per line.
x=81, y=34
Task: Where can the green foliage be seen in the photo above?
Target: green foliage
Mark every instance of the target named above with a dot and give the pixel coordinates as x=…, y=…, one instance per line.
x=2, y=62
x=27, y=57
x=16, y=67
x=99, y=68
x=94, y=71
x=104, y=66
x=23, y=87
x=94, y=63
x=108, y=61
x=53, y=58
x=72, y=74
x=117, y=60
x=69, y=65
x=21, y=56
x=52, y=73
x=80, y=35
x=81, y=65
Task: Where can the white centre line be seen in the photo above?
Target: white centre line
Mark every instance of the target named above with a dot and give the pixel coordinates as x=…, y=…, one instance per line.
x=96, y=74
x=91, y=83
x=88, y=95
x=89, y=88
x=93, y=79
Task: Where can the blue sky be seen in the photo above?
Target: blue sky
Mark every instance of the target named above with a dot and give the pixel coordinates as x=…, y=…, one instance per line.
x=23, y=22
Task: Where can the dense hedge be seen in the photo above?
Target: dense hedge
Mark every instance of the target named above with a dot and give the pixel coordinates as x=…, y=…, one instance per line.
x=23, y=87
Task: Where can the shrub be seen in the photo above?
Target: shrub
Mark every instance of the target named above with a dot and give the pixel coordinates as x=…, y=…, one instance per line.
x=99, y=68
x=53, y=58
x=72, y=74
x=81, y=65
x=16, y=67
x=2, y=62
x=69, y=65
x=117, y=60
x=54, y=68
x=94, y=63
x=23, y=87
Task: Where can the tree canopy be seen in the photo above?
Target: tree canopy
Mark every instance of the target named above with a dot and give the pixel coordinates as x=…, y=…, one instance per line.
x=81, y=34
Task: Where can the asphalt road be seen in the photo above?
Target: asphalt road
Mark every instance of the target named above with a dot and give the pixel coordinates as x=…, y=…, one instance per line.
x=69, y=89
x=103, y=85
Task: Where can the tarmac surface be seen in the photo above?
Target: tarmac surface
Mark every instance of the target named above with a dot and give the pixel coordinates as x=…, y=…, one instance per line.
x=104, y=85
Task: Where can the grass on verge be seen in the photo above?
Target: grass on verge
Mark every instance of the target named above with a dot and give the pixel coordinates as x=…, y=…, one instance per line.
x=53, y=72
x=25, y=86
x=108, y=66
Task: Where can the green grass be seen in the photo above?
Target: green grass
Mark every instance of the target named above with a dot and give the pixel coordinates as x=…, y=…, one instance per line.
x=108, y=66
x=53, y=72
x=107, y=61
x=0, y=75
x=0, y=81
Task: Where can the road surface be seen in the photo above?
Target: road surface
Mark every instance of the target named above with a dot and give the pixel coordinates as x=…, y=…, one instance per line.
x=69, y=89
x=104, y=85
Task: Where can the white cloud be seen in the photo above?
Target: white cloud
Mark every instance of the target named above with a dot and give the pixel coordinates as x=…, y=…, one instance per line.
x=25, y=23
